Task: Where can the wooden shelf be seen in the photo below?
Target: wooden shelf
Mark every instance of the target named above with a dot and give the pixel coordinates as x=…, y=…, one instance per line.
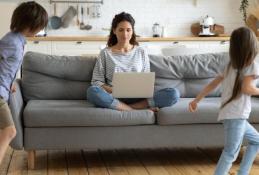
x=140, y=39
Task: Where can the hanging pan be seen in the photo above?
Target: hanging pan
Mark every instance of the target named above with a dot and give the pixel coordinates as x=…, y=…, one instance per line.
x=55, y=21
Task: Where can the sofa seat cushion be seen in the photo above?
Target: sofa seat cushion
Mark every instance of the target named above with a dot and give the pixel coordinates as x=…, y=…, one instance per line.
x=207, y=112
x=62, y=113
x=178, y=114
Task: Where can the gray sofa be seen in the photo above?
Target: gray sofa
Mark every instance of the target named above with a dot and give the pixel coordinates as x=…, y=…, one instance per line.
x=50, y=109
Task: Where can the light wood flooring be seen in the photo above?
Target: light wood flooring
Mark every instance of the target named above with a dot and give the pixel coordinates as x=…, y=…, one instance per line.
x=118, y=162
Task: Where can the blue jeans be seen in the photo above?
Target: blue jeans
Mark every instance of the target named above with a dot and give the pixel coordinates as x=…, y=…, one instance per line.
x=235, y=131
x=162, y=98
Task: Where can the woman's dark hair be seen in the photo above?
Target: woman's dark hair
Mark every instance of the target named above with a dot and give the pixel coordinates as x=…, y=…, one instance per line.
x=116, y=20
x=29, y=15
x=242, y=51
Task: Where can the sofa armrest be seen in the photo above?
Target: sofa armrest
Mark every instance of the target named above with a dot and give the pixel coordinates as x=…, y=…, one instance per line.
x=16, y=105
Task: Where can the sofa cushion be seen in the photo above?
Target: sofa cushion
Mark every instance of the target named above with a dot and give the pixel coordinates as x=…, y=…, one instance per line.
x=36, y=86
x=188, y=73
x=178, y=114
x=207, y=112
x=62, y=113
x=51, y=77
x=75, y=68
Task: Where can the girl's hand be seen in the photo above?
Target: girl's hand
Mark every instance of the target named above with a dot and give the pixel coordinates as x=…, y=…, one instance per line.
x=193, y=106
x=13, y=88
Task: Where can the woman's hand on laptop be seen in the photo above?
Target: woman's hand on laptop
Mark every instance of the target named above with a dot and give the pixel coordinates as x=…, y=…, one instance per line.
x=107, y=88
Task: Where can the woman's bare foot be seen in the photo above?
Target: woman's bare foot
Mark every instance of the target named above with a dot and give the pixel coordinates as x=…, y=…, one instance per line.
x=154, y=109
x=123, y=107
x=143, y=104
x=139, y=105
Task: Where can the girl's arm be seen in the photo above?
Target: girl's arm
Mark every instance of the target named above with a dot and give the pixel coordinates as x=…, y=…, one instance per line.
x=211, y=86
x=248, y=86
x=13, y=88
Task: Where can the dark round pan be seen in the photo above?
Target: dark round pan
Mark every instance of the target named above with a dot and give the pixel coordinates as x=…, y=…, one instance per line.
x=55, y=21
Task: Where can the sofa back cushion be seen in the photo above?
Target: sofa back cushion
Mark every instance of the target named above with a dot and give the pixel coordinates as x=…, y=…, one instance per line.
x=50, y=77
x=56, y=77
x=188, y=73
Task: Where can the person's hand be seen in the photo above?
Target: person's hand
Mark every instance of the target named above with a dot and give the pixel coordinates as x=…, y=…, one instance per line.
x=193, y=106
x=13, y=88
x=107, y=89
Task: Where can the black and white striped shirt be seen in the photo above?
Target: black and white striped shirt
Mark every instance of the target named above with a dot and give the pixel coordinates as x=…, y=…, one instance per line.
x=108, y=62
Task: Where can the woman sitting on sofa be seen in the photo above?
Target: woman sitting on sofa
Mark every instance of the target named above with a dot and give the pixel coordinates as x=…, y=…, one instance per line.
x=123, y=54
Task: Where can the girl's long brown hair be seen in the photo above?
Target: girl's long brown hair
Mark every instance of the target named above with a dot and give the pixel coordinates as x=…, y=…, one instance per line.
x=242, y=51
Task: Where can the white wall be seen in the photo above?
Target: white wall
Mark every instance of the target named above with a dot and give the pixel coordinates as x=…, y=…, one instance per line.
x=6, y=10
x=176, y=15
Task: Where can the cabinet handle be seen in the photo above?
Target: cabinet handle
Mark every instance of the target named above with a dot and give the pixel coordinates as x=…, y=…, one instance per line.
x=79, y=42
x=223, y=42
x=36, y=42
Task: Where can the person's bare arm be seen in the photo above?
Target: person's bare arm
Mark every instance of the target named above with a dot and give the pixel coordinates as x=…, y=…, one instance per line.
x=13, y=88
x=248, y=86
x=210, y=87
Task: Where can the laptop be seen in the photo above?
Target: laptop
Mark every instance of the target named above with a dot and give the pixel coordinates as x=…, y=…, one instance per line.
x=133, y=84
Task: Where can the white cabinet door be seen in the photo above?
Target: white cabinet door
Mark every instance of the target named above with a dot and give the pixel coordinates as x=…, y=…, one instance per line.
x=208, y=46
x=77, y=48
x=185, y=47
x=155, y=48
x=38, y=46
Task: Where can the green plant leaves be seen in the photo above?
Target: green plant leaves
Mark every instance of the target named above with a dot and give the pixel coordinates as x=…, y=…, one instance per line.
x=243, y=6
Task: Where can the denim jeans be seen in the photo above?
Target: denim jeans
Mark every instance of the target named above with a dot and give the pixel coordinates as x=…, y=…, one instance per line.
x=162, y=98
x=235, y=131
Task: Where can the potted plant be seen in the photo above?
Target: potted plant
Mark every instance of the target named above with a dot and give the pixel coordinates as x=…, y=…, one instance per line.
x=243, y=6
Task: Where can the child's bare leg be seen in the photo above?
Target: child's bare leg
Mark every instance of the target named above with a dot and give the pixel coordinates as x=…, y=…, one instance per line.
x=6, y=136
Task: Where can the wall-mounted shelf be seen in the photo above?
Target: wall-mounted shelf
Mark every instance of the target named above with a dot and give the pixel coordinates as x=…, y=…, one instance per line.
x=77, y=1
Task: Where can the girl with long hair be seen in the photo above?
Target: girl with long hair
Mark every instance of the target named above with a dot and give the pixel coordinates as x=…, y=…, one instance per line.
x=238, y=84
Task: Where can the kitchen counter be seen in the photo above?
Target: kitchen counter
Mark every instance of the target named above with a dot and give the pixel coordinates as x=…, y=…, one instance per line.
x=140, y=39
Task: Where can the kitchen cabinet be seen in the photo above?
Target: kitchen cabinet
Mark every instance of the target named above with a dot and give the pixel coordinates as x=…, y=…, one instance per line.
x=80, y=46
x=39, y=46
x=202, y=46
x=77, y=48
x=71, y=48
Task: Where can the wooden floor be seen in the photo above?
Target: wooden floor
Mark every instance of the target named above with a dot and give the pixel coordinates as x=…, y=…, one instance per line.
x=118, y=162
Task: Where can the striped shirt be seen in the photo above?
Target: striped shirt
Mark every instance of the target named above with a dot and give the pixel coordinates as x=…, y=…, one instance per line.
x=109, y=62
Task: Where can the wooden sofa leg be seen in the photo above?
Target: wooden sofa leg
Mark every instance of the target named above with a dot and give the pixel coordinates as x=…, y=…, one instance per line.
x=31, y=159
